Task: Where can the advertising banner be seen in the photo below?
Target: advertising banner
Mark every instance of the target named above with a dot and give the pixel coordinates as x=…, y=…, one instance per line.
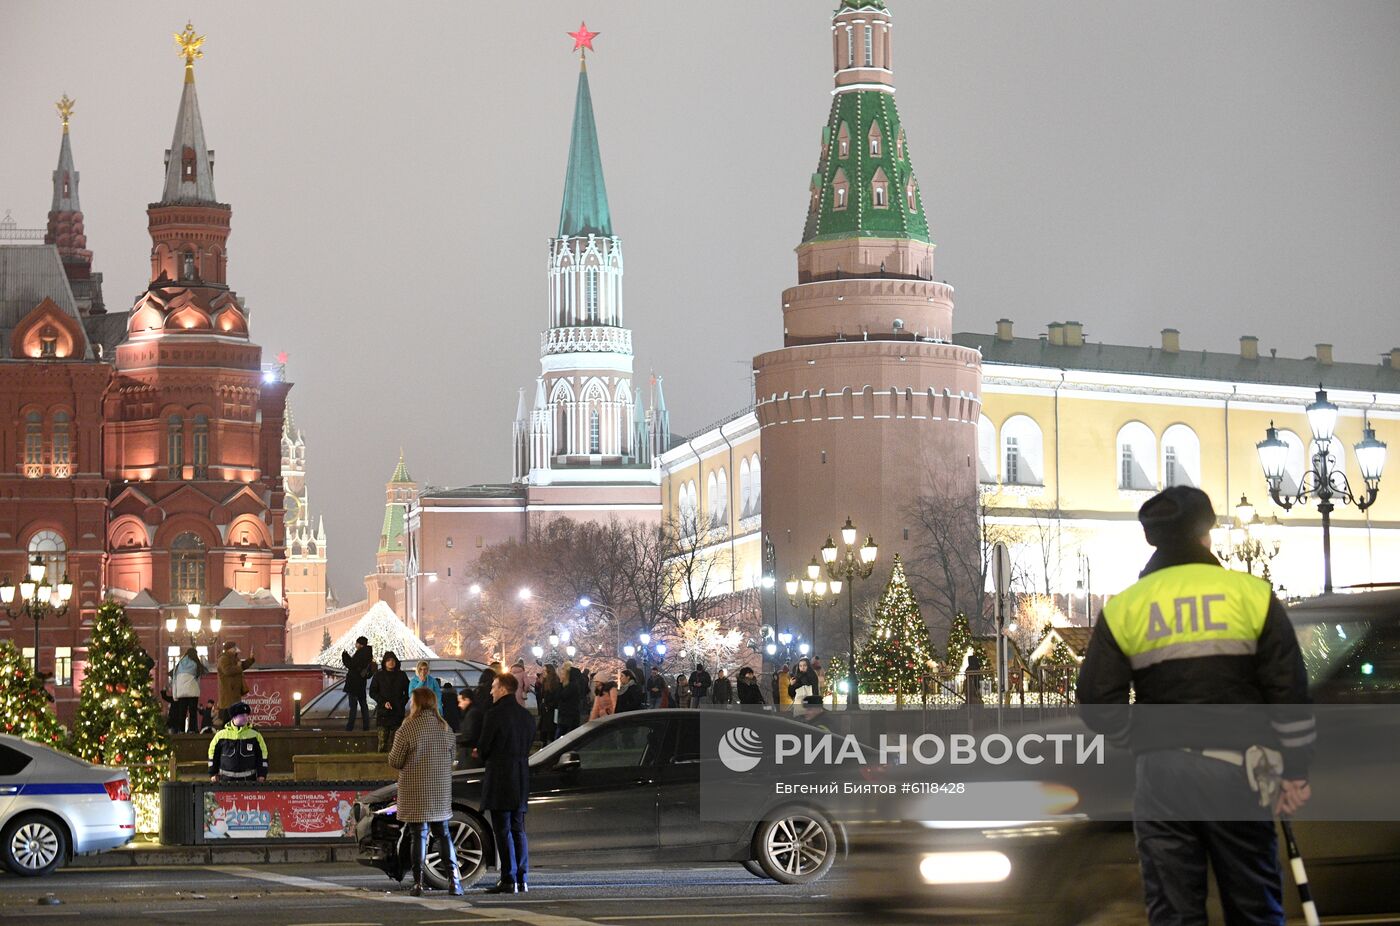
x=279, y=814
x=270, y=692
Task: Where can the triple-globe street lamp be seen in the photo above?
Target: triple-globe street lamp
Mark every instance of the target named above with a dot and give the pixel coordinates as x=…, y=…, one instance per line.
x=1324, y=480
x=854, y=564
x=812, y=590
x=1249, y=540
x=38, y=599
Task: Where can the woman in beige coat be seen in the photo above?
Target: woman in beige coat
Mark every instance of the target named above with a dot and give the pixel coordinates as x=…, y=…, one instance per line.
x=423, y=752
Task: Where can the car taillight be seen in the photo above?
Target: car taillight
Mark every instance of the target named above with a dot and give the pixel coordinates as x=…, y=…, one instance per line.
x=119, y=790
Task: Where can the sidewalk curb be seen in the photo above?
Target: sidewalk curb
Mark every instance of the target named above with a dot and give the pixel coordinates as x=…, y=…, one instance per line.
x=146, y=856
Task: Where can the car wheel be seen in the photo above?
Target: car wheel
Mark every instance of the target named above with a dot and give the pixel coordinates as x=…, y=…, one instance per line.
x=469, y=838
x=796, y=845
x=753, y=868
x=34, y=844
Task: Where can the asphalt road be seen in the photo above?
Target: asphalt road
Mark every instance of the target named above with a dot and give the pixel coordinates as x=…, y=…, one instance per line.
x=349, y=895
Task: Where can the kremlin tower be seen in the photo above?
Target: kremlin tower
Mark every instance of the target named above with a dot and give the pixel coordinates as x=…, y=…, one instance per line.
x=585, y=418
x=868, y=405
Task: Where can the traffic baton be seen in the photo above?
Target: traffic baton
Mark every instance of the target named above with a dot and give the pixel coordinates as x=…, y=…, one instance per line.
x=1300, y=874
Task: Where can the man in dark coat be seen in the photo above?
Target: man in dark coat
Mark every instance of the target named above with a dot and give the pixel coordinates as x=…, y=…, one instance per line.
x=570, y=705
x=699, y=685
x=359, y=669
x=389, y=689
x=505, y=742
x=469, y=730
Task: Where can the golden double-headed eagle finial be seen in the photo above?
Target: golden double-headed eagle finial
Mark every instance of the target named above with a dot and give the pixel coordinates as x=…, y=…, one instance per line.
x=65, y=110
x=189, y=48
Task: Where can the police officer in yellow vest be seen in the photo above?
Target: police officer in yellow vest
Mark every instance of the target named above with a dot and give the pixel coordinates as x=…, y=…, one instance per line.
x=1190, y=632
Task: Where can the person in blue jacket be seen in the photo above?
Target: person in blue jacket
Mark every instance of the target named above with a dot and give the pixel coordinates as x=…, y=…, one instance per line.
x=421, y=679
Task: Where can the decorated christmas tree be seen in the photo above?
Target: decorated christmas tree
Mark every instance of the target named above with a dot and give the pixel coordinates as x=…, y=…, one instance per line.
x=895, y=657
x=1059, y=666
x=24, y=702
x=959, y=641
x=119, y=714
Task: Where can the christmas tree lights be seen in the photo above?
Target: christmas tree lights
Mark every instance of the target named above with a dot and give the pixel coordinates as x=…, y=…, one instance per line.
x=896, y=655
x=25, y=709
x=119, y=720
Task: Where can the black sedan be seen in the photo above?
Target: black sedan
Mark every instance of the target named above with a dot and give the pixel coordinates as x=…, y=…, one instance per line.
x=1078, y=870
x=625, y=787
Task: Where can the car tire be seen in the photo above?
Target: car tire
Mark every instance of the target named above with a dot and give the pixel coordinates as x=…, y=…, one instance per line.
x=755, y=869
x=795, y=845
x=470, y=836
x=34, y=844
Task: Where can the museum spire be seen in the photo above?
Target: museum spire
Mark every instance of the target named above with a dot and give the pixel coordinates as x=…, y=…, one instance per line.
x=189, y=164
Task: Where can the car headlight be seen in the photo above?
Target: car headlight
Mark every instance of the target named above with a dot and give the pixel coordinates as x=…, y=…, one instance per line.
x=964, y=867
x=1026, y=802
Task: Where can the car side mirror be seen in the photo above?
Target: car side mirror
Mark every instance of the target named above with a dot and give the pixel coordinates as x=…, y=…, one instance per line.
x=568, y=762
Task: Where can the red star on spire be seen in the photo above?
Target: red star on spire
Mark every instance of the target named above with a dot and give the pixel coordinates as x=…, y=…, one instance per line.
x=282, y=358
x=583, y=38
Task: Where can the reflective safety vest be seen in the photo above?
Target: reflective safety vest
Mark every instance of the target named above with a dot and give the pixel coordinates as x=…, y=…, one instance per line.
x=1186, y=612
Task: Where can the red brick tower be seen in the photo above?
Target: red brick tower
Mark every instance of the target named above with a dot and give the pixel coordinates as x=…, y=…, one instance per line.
x=194, y=427
x=868, y=405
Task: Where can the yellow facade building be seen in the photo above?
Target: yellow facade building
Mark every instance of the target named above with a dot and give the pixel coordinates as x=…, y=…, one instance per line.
x=1074, y=435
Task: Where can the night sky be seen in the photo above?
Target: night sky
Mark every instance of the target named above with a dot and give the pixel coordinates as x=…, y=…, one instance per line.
x=396, y=169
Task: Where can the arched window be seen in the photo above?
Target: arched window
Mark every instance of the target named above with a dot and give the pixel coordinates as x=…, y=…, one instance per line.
x=1181, y=457
x=200, y=447
x=62, y=441
x=1022, y=452
x=722, y=500
x=843, y=141
x=840, y=189
x=595, y=432
x=879, y=189
x=869, y=46
x=911, y=196
x=874, y=138
x=986, y=450
x=745, y=490
x=187, y=563
x=33, y=444
x=1137, y=457
x=712, y=498
x=50, y=548
x=590, y=295
x=175, y=446
x=689, y=508
x=756, y=478
x=899, y=144
x=187, y=265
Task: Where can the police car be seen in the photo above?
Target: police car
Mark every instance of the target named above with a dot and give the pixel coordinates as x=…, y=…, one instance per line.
x=54, y=806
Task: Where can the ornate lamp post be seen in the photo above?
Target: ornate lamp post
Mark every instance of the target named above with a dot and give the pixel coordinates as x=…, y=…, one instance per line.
x=856, y=564
x=813, y=591
x=37, y=598
x=1324, y=480
x=1249, y=540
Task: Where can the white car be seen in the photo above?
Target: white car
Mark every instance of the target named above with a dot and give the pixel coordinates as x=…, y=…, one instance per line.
x=54, y=806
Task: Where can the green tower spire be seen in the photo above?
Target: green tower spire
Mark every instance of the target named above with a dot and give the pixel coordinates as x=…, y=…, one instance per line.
x=585, y=210
x=864, y=186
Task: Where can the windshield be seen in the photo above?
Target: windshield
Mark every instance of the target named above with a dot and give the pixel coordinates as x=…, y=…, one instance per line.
x=1352, y=660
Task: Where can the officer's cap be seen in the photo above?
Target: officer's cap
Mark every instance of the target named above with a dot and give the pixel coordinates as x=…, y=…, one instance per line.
x=1176, y=514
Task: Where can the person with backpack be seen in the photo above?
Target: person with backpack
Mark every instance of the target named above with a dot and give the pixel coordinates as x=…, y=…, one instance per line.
x=359, y=669
x=184, y=691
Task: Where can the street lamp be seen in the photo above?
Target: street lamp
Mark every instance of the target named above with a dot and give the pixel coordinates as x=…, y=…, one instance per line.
x=37, y=598
x=811, y=591
x=1249, y=540
x=1324, y=480
x=855, y=564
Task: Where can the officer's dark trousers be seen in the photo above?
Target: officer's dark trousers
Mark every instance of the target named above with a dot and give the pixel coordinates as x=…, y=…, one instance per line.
x=1189, y=811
